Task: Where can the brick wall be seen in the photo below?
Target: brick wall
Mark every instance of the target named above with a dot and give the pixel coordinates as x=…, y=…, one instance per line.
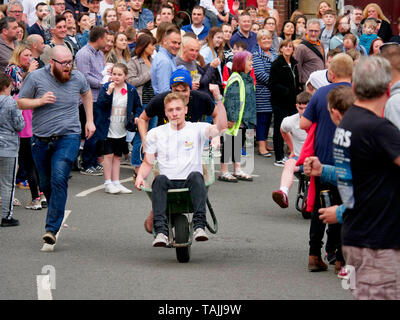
x=283, y=8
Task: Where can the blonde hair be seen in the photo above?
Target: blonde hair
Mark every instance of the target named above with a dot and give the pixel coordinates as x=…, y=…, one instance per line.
x=342, y=65
x=174, y=96
x=378, y=9
x=264, y=33
x=318, y=14
x=17, y=52
x=116, y=6
x=370, y=22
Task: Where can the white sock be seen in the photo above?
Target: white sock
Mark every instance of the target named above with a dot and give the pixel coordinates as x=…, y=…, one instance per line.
x=107, y=182
x=285, y=190
x=116, y=183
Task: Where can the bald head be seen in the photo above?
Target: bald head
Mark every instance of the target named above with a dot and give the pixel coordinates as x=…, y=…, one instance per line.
x=36, y=44
x=60, y=53
x=190, y=49
x=127, y=19
x=61, y=63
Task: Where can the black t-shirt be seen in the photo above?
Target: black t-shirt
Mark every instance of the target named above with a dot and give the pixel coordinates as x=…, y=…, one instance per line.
x=199, y=104
x=365, y=147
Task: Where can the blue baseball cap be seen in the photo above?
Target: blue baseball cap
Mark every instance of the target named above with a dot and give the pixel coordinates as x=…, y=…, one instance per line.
x=181, y=75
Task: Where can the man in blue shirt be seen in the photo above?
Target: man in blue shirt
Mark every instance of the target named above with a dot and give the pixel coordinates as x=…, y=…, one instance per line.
x=90, y=61
x=143, y=17
x=198, y=27
x=340, y=69
x=245, y=34
x=164, y=62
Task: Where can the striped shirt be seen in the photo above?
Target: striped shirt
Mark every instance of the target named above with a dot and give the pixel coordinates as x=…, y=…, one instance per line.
x=262, y=66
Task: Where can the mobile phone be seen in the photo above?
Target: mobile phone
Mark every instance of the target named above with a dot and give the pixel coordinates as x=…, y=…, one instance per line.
x=92, y=16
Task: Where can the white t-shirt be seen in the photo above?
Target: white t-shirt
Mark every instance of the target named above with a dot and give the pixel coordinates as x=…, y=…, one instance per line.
x=197, y=31
x=208, y=4
x=291, y=125
x=178, y=151
x=117, y=127
x=103, y=6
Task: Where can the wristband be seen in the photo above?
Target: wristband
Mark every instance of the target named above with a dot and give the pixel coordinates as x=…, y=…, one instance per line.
x=218, y=99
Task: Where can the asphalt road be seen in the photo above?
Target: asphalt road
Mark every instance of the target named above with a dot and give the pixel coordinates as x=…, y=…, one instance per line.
x=103, y=251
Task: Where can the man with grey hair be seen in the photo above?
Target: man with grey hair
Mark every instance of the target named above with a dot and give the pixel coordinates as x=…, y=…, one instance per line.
x=367, y=160
x=53, y=93
x=15, y=10
x=310, y=54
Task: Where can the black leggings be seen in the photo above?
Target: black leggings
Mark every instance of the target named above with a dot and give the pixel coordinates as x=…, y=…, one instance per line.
x=279, y=143
x=25, y=157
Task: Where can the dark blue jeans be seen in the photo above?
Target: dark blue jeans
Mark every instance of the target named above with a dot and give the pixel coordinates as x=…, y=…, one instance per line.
x=89, y=154
x=53, y=162
x=263, y=124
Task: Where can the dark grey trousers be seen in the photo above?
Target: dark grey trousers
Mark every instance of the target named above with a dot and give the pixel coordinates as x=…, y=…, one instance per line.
x=198, y=193
x=8, y=172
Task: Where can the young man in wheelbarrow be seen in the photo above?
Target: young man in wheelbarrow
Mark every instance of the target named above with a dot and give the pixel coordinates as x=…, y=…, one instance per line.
x=178, y=146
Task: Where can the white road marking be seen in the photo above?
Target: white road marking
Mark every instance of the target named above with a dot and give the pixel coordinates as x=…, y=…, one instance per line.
x=44, y=287
x=48, y=247
x=94, y=189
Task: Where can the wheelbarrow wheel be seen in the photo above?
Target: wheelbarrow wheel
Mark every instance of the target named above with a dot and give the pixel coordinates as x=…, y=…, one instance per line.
x=182, y=236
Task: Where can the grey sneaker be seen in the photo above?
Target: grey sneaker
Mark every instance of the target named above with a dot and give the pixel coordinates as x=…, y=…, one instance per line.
x=91, y=172
x=34, y=205
x=200, y=235
x=161, y=240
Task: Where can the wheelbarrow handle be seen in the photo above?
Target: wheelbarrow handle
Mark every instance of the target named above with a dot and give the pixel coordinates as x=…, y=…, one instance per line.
x=213, y=217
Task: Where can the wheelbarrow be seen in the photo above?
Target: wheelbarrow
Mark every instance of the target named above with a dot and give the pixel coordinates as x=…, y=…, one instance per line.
x=180, y=211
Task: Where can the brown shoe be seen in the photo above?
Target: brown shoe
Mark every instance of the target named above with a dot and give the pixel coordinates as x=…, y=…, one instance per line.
x=148, y=223
x=316, y=264
x=49, y=238
x=338, y=266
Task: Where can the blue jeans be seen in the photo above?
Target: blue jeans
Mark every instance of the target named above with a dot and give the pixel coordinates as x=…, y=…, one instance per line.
x=137, y=143
x=263, y=124
x=54, y=161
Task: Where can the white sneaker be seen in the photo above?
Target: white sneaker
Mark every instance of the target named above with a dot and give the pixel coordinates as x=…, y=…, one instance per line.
x=34, y=205
x=110, y=188
x=200, y=235
x=161, y=240
x=122, y=189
